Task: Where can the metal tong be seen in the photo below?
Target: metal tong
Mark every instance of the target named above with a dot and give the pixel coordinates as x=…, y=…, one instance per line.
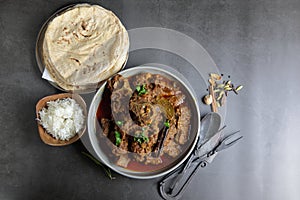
x=175, y=183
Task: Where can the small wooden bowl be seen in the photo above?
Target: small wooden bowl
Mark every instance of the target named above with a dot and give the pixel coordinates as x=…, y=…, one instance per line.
x=47, y=138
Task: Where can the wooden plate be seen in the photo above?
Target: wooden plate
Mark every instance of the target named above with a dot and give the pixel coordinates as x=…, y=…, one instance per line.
x=47, y=138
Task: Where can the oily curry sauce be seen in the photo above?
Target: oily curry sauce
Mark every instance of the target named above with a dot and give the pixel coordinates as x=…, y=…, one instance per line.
x=131, y=140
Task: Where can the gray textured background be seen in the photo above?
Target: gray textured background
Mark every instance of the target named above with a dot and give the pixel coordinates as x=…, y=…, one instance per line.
x=256, y=42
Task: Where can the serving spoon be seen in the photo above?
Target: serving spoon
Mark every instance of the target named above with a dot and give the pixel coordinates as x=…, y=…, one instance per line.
x=210, y=125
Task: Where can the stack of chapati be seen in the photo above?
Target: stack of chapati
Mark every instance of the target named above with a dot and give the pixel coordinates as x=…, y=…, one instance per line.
x=83, y=46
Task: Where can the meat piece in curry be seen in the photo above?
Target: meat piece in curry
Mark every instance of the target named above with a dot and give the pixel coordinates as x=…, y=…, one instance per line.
x=140, y=107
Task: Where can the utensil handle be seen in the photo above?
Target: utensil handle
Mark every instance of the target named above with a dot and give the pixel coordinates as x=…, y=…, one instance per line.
x=168, y=195
x=180, y=174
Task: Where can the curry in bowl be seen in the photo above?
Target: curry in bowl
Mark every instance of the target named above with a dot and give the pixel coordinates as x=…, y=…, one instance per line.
x=145, y=122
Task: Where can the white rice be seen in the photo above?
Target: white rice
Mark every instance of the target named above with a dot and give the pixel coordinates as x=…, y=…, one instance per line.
x=62, y=118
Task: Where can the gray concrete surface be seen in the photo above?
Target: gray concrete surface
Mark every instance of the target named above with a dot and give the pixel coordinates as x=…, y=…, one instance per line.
x=256, y=42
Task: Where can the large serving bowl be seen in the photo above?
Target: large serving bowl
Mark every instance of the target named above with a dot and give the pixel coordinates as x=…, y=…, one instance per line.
x=94, y=128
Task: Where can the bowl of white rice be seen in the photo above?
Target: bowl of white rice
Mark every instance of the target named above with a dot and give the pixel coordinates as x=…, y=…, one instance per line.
x=61, y=118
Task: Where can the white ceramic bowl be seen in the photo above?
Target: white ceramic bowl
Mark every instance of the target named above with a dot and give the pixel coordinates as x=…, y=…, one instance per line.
x=94, y=126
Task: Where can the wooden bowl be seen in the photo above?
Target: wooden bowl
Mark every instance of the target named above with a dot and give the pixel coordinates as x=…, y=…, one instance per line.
x=47, y=138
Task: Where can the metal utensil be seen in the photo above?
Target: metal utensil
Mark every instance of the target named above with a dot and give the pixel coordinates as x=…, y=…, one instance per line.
x=210, y=124
x=178, y=180
x=181, y=177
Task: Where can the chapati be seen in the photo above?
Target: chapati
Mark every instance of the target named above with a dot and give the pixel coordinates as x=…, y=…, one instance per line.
x=83, y=46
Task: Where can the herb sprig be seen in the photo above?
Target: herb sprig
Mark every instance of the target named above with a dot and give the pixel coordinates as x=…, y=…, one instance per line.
x=97, y=162
x=141, y=89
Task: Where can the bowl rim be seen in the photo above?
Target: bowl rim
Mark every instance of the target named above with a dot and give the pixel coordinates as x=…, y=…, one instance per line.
x=93, y=109
x=47, y=138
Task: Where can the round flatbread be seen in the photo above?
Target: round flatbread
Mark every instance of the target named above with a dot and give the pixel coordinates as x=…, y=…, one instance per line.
x=83, y=46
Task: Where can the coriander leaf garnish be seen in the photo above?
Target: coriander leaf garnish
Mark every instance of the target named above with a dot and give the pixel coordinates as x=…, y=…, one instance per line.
x=120, y=123
x=138, y=88
x=167, y=124
x=141, y=89
x=118, y=138
x=140, y=138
